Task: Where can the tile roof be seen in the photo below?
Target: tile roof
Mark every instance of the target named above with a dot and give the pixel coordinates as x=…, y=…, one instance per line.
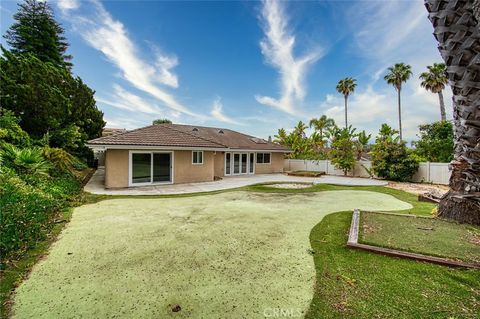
x=177, y=135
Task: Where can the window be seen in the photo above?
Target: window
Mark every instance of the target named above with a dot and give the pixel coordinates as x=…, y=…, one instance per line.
x=197, y=157
x=263, y=158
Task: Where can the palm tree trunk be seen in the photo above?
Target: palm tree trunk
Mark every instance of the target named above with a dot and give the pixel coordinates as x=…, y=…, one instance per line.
x=399, y=114
x=456, y=27
x=442, y=106
x=346, y=118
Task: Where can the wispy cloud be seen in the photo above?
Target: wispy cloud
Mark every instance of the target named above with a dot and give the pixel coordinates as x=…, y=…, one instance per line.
x=123, y=99
x=277, y=48
x=66, y=5
x=217, y=112
x=104, y=33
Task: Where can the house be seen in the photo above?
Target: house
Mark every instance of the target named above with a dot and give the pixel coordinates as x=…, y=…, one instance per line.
x=174, y=153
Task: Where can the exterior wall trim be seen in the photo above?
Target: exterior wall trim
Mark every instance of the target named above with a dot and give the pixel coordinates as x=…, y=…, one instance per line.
x=170, y=148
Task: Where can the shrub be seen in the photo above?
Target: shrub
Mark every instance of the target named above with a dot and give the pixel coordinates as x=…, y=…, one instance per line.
x=390, y=157
x=436, y=142
x=26, y=161
x=29, y=208
x=343, y=150
x=10, y=130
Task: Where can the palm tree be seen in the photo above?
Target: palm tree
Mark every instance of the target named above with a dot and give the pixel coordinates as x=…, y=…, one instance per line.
x=362, y=143
x=456, y=27
x=321, y=124
x=281, y=136
x=398, y=74
x=300, y=129
x=434, y=81
x=346, y=87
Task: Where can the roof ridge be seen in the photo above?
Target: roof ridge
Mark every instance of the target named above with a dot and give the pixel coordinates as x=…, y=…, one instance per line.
x=200, y=137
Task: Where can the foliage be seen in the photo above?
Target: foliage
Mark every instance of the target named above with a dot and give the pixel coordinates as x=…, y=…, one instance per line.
x=398, y=74
x=161, y=121
x=25, y=161
x=342, y=152
x=435, y=79
x=362, y=143
x=346, y=86
x=61, y=161
x=390, y=157
x=28, y=209
x=10, y=130
x=321, y=125
x=35, y=31
x=49, y=100
x=436, y=142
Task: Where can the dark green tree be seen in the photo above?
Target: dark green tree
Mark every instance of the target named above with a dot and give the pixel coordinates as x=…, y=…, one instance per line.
x=343, y=151
x=49, y=100
x=161, y=121
x=436, y=142
x=391, y=159
x=35, y=31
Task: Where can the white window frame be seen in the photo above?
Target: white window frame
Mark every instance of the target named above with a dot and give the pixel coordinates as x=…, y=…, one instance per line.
x=269, y=163
x=130, y=168
x=232, y=156
x=193, y=163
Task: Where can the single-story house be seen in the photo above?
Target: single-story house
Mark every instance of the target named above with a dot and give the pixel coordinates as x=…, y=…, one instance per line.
x=174, y=154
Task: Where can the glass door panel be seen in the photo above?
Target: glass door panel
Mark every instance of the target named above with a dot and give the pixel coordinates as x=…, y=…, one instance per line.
x=141, y=168
x=161, y=167
x=244, y=163
x=236, y=163
x=251, y=166
x=228, y=158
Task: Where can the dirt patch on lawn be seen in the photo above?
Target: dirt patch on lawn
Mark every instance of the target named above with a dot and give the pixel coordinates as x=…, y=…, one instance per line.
x=417, y=188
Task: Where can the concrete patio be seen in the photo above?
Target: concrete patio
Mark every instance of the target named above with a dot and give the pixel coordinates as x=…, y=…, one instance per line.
x=96, y=184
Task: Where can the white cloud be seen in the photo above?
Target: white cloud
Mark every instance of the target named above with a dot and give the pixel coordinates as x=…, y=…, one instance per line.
x=66, y=5
x=217, y=112
x=122, y=99
x=277, y=48
x=109, y=36
x=122, y=122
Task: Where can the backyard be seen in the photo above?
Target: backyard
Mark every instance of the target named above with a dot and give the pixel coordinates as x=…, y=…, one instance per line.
x=238, y=253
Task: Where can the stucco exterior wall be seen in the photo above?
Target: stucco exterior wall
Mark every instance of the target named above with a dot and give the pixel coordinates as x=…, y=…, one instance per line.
x=186, y=172
x=275, y=166
x=219, y=164
x=116, y=168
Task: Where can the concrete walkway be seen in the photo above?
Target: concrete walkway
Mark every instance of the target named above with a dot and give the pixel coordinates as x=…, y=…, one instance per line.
x=96, y=184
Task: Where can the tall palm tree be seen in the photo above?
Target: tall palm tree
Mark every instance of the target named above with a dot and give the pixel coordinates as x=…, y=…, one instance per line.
x=321, y=124
x=434, y=81
x=457, y=29
x=346, y=87
x=396, y=76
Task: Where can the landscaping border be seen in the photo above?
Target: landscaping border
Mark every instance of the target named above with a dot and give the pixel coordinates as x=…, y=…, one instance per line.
x=353, y=243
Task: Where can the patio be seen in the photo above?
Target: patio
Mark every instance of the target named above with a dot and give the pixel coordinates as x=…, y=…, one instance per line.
x=96, y=184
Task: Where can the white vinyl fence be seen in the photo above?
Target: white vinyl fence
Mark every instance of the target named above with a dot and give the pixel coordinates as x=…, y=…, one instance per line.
x=436, y=173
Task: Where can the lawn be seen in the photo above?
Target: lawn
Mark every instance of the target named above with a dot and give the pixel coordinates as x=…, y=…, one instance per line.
x=421, y=235
x=227, y=255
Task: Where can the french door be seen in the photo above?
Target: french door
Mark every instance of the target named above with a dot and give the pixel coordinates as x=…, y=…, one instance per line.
x=150, y=168
x=239, y=163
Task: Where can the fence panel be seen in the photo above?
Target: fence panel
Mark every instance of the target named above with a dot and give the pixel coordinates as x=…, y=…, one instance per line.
x=437, y=173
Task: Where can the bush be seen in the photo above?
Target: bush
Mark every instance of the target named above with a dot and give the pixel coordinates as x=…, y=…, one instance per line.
x=390, y=157
x=436, y=142
x=29, y=207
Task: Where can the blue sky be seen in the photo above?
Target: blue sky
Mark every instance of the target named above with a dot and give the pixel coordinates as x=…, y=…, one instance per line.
x=250, y=66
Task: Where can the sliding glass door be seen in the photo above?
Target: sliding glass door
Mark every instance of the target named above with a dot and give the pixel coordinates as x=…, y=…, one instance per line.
x=150, y=168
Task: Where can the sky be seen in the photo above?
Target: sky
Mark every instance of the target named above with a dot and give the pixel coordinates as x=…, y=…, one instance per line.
x=251, y=66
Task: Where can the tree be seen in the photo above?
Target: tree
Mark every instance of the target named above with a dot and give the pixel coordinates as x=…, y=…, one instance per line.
x=390, y=157
x=342, y=152
x=346, y=87
x=35, y=31
x=397, y=75
x=436, y=142
x=321, y=124
x=457, y=29
x=161, y=121
x=362, y=143
x=300, y=129
x=434, y=81
x=49, y=100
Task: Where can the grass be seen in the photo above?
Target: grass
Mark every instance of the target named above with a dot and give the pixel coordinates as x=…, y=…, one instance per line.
x=306, y=173
x=421, y=235
x=358, y=284
x=224, y=255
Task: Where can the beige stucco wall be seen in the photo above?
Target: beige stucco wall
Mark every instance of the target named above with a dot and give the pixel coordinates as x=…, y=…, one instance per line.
x=219, y=164
x=186, y=172
x=275, y=166
x=116, y=168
